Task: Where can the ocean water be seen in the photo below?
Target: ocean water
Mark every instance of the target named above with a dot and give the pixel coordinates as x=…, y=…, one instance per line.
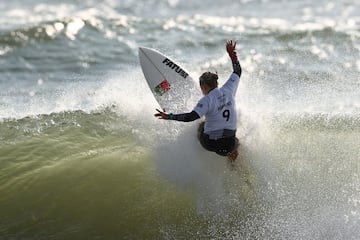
x=82, y=157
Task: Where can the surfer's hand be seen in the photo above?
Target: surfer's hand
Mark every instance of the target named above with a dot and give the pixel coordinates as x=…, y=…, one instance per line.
x=161, y=114
x=231, y=49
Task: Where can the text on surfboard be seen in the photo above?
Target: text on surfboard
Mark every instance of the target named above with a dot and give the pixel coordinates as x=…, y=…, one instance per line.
x=175, y=67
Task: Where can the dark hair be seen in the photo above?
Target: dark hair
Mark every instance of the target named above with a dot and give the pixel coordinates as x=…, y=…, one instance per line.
x=209, y=79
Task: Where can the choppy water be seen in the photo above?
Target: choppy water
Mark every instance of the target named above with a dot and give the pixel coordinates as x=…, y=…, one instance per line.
x=82, y=157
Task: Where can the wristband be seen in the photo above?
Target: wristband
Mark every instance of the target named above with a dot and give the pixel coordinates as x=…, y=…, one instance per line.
x=171, y=116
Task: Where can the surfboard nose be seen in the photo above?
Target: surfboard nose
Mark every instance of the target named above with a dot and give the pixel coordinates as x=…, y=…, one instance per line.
x=143, y=49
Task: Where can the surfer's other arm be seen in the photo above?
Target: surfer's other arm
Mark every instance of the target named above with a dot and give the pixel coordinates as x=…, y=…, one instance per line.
x=231, y=50
x=182, y=117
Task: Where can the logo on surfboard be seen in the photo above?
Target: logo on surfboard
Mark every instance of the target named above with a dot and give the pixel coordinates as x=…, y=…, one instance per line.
x=175, y=67
x=162, y=88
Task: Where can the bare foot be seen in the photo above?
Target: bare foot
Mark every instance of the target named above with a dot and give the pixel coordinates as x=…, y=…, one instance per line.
x=233, y=155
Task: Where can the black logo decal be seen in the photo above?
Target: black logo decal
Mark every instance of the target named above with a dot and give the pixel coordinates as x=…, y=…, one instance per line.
x=175, y=67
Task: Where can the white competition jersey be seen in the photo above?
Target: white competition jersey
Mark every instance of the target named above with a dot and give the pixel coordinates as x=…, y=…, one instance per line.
x=218, y=107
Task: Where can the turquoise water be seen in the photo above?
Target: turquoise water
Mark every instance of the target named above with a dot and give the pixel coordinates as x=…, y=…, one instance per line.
x=82, y=157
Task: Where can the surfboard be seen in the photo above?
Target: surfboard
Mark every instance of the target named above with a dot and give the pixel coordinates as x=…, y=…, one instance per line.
x=169, y=82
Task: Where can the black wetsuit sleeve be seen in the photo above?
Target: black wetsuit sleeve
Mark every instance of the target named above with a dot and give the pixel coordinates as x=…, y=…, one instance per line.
x=186, y=117
x=236, y=67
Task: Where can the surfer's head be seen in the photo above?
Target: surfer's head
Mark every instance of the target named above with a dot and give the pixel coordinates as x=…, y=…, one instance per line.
x=208, y=81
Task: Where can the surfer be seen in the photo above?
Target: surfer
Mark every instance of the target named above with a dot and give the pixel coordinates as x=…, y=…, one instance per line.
x=218, y=132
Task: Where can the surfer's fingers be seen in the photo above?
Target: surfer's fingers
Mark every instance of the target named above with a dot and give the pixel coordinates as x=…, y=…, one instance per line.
x=231, y=43
x=228, y=43
x=159, y=114
x=163, y=111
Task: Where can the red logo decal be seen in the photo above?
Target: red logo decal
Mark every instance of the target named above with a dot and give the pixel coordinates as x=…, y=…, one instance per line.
x=163, y=87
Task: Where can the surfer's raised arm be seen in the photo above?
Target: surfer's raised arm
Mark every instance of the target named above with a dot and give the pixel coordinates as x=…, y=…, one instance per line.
x=231, y=49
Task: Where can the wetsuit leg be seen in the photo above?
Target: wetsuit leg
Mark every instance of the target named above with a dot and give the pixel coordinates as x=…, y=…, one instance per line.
x=204, y=140
x=226, y=145
x=200, y=131
x=222, y=146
